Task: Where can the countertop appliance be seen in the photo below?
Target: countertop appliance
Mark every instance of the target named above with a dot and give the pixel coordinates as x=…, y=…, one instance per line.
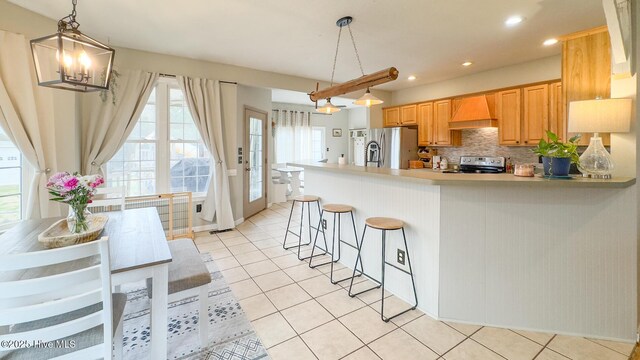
x=391, y=147
x=482, y=164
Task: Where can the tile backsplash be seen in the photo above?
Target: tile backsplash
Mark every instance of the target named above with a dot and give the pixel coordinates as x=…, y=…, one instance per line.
x=484, y=142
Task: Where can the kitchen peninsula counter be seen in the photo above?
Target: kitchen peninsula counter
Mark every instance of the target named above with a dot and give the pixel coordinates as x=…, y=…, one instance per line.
x=432, y=177
x=557, y=256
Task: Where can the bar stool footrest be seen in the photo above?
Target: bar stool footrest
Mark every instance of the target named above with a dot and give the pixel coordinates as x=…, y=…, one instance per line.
x=387, y=319
x=364, y=291
x=397, y=267
x=335, y=282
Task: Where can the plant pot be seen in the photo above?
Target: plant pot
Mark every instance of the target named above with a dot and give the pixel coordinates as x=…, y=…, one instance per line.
x=556, y=166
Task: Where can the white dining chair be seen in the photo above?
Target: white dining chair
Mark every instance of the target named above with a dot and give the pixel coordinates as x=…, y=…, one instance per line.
x=109, y=196
x=60, y=297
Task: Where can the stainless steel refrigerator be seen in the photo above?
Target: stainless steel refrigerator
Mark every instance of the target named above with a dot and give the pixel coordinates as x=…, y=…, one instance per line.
x=390, y=147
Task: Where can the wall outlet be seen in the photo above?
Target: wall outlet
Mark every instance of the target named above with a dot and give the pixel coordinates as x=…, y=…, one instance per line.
x=198, y=208
x=324, y=224
x=401, y=257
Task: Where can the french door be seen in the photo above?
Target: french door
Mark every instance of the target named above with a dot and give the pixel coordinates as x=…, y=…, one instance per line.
x=255, y=162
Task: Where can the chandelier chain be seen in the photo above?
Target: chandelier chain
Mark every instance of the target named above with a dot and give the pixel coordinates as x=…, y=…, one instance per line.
x=69, y=22
x=335, y=58
x=356, y=49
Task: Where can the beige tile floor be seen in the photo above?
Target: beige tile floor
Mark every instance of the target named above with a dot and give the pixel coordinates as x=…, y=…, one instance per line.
x=299, y=314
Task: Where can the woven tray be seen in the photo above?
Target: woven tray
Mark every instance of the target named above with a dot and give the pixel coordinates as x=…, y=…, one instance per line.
x=58, y=235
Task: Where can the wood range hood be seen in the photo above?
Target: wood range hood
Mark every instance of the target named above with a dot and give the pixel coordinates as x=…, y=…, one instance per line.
x=474, y=112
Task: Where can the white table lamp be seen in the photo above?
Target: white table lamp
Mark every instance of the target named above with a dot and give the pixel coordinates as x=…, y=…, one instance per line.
x=600, y=115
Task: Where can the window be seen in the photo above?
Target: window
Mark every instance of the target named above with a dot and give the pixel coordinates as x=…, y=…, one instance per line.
x=189, y=161
x=11, y=177
x=317, y=143
x=165, y=152
x=134, y=165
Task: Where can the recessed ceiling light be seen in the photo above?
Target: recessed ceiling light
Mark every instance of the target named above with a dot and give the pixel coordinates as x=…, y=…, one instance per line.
x=514, y=20
x=467, y=63
x=411, y=77
x=550, y=42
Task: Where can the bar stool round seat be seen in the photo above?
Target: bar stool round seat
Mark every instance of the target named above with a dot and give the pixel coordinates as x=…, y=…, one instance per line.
x=306, y=198
x=337, y=208
x=384, y=223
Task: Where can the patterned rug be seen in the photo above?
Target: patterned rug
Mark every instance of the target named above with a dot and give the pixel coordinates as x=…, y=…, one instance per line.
x=231, y=336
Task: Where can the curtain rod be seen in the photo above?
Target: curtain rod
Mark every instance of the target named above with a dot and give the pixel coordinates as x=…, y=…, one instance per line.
x=222, y=81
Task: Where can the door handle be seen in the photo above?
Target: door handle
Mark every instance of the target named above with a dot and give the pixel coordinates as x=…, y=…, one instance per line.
x=247, y=169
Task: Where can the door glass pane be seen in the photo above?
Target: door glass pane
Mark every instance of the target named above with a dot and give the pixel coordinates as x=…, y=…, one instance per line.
x=256, y=175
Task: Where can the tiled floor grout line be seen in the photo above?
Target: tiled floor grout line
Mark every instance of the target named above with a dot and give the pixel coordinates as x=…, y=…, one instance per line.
x=467, y=337
x=339, y=287
x=257, y=229
x=327, y=275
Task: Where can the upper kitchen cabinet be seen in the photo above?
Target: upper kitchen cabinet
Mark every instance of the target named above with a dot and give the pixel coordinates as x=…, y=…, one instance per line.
x=586, y=69
x=557, y=111
x=408, y=114
x=536, y=113
x=391, y=116
x=508, y=109
x=425, y=124
x=405, y=115
x=442, y=136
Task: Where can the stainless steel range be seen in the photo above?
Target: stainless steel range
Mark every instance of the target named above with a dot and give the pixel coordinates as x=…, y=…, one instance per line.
x=482, y=164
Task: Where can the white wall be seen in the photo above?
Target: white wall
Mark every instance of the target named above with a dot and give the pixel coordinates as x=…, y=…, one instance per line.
x=339, y=120
x=359, y=117
x=538, y=70
x=257, y=99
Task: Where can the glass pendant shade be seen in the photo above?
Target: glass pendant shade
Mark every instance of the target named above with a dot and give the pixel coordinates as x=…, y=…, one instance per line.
x=71, y=60
x=328, y=108
x=368, y=100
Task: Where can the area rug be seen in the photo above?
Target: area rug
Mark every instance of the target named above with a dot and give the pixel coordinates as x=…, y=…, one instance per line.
x=231, y=336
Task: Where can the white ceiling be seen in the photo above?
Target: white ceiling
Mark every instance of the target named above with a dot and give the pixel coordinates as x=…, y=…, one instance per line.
x=297, y=97
x=427, y=38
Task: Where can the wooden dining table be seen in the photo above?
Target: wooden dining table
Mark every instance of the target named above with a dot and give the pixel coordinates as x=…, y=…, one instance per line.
x=138, y=250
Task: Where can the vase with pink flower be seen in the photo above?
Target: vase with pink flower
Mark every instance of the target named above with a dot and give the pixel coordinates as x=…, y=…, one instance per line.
x=76, y=191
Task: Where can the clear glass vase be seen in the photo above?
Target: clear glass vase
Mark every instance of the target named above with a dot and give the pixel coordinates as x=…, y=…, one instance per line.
x=78, y=220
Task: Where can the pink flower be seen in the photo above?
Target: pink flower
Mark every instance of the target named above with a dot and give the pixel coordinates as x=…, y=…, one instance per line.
x=71, y=183
x=98, y=181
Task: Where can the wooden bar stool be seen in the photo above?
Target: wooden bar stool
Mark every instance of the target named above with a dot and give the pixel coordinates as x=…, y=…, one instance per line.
x=304, y=199
x=337, y=210
x=385, y=224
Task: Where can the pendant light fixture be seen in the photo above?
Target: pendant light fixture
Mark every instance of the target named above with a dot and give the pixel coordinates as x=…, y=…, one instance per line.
x=363, y=82
x=368, y=100
x=71, y=60
x=328, y=108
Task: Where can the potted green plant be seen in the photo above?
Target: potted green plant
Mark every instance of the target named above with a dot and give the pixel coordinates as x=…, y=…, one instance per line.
x=557, y=156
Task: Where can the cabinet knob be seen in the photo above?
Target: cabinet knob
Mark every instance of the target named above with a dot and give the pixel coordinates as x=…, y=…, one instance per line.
x=517, y=142
x=526, y=142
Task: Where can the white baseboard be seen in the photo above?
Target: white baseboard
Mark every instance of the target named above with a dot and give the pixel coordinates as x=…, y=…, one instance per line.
x=210, y=227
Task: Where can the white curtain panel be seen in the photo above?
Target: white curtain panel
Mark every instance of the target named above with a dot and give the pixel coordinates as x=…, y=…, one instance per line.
x=292, y=135
x=204, y=99
x=107, y=125
x=26, y=115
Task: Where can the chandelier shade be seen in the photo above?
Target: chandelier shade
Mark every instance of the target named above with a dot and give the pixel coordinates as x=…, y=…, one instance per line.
x=368, y=99
x=328, y=108
x=71, y=60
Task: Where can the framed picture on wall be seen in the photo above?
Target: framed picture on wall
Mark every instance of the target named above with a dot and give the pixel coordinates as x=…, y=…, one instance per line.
x=337, y=132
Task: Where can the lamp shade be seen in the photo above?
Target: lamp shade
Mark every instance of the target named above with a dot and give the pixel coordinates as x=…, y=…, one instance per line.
x=600, y=115
x=328, y=108
x=368, y=99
